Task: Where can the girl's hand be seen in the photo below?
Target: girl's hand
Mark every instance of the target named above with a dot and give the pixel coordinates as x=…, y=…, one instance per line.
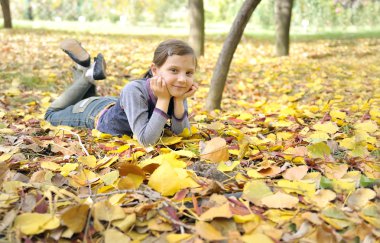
x=158, y=86
x=190, y=92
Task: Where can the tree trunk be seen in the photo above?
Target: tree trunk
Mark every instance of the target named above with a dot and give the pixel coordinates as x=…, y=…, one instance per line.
x=197, y=26
x=6, y=13
x=222, y=67
x=283, y=15
x=28, y=10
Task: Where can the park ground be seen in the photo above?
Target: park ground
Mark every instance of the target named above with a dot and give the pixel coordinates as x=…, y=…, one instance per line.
x=294, y=153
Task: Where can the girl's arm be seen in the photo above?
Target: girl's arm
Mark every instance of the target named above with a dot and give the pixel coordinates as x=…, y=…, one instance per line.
x=180, y=118
x=135, y=104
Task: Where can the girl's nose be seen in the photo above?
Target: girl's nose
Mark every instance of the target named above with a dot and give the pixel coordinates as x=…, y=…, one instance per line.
x=182, y=77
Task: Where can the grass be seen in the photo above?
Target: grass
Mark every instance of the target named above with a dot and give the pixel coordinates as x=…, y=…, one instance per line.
x=212, y=30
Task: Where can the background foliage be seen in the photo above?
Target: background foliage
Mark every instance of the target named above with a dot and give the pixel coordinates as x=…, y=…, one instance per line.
x=308, y=15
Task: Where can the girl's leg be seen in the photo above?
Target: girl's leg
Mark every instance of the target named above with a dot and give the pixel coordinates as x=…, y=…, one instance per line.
x=82, y=114
x=75, y=93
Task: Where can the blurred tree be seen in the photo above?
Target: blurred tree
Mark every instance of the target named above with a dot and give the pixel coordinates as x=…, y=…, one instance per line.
x=197, y=26
x=283, y=15
x=6, y=13
x=28, y=10
x=222, y=67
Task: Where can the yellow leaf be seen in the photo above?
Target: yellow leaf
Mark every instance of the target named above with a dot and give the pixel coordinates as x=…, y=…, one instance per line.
x=299, y=187
x=254, y=174
x=343, y=185
x=120, y=149
x=116, y=198
x=280, y=200
x=328, y=127
x=317, y=137
x=160, y=178
x=368, y=126
x=245, y=116
x=246, y=218
x=348, y=143
x=110, y=177
x=185, y=153
x=175, y=238
x=254, y=191
x=75, y=217
x=335, y=114
x=227, y=166
x=256, y=237
x=131, y=181
x=170, y=158
x=360, y=198
x=106, y=162
x=222, y=211
x=67, y=168
x=280, y=216
x=50, y=166
x=100, y=135
x=169, y=140
x=207, y=231
x=126, y=223
x=157, y=224
x=35, y=223
x=115, y=236
x=104, y=210
x=319, y=150
x=89, y=161
x=321, y=198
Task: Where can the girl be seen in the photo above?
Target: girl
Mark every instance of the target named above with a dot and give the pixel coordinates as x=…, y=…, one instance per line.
x=144, y=105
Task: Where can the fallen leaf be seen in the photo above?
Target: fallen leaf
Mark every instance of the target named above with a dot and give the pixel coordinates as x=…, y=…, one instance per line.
x=35, y=223
x=115, y=236
x=75, y=217
x=295, y=173
x=216, y=150
x=207, y=231
x=360, y=198
x=222, y=211
x=279, y=200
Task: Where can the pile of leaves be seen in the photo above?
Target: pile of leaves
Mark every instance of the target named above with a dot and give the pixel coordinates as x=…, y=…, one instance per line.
x=293, y=155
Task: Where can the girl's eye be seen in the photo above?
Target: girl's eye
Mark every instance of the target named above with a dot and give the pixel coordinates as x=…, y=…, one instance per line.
x=173, y=70
x=189, y=74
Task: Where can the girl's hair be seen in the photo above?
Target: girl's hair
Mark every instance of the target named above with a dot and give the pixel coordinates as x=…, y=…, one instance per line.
x=169, y=48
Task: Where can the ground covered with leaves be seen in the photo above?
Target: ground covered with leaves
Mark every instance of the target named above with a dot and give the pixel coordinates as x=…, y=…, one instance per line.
x=293, y=156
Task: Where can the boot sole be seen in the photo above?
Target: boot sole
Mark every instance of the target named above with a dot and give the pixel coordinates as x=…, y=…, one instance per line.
x=74, y=49
x=100, y=68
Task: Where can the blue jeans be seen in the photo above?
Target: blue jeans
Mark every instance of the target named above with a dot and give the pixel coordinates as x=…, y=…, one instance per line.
x=78, y=106
x=82, y=114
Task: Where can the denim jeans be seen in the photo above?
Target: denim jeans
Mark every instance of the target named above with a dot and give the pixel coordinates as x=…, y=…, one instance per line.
x=82, y=114
x=78, y=106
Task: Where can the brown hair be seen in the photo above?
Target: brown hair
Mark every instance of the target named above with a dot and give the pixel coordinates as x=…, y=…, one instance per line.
x=169, y=48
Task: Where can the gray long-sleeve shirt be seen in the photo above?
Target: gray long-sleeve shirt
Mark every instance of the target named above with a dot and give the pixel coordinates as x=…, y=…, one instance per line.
x=135, y=113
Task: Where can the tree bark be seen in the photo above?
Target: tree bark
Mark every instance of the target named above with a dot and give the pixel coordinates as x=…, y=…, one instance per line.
x=222, y=67
x=6, y=13
x=28, y=10
x=283, y=15
x=197, y=26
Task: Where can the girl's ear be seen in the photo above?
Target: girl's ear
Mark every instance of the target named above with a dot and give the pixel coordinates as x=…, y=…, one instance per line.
x=154, y=68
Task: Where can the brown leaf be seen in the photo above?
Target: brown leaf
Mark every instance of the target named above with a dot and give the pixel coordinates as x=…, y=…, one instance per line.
x=215, y=150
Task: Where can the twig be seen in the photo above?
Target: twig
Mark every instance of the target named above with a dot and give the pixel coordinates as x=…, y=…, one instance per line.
x=79, y=139
x=174, y=221
x=87, y=226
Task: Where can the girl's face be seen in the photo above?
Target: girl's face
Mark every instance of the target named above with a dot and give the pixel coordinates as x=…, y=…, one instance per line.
x=178, y=72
